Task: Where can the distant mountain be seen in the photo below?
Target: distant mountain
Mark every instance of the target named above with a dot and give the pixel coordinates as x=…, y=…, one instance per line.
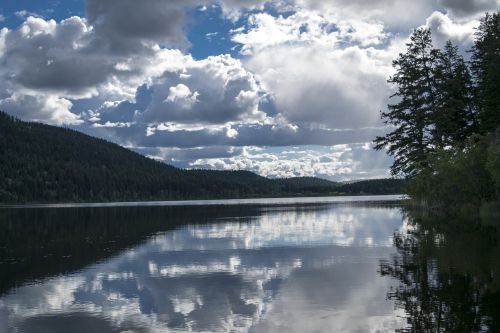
x=43, y=163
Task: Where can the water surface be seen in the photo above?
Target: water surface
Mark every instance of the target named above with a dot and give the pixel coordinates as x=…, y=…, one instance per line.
x=220, y=202
x=287, y=267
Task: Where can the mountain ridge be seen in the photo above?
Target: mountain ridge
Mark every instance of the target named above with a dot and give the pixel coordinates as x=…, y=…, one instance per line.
x=41, y=163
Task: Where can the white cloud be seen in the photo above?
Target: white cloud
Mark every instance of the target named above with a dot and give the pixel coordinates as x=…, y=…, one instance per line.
x=341, y=162
x=182, y=96
x=307, y=27
x=443, y=28
x=42, y=68
x=46, y=56
x=211, y=35
x=320, y=71
x=314, y=75
x=61, y=60
x=189, y=135
x=334, y=88
x=3, y=35
x=396, y=15
x=24, y=14
x=215, y=90
x=44, y=108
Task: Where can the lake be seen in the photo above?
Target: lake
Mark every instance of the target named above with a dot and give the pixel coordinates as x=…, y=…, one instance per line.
x=353, y=264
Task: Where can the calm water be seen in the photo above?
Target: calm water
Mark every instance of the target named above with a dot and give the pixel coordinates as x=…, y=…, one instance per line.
x=258, y=266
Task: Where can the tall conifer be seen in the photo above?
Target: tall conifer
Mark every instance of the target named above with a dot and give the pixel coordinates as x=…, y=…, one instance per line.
x=413, y=136
x=485, y=64
x=454, y=114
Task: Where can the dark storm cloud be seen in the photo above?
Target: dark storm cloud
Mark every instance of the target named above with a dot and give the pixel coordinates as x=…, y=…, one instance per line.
x=463, y=8
x=120, y=24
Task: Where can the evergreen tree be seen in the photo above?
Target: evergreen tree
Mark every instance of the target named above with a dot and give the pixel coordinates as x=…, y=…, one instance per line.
x=454, y=113
x=447, y=119
x=485, y=65
x=413, y=137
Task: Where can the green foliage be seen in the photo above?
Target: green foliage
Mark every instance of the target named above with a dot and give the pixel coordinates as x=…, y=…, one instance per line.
x=455, y=116
x=493, y=161
x=485, y=65
x=375, y=186
x=458, y=177
x=410, y=140
x=444, y=119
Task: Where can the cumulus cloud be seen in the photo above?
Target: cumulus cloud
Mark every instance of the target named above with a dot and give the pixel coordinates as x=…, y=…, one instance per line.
x=61, y=60
x=311, y=73
x=443, y=28
x=44, y=55
x=43, y=108
x=182, y=95
x=44, y=64
x=397, y=15
x=338, y=89
x=265, y=30
x=214, y=90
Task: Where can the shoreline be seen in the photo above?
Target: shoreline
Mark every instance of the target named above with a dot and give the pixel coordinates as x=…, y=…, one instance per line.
x=271, y=201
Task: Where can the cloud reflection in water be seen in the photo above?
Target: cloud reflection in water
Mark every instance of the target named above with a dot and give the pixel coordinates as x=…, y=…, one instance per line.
x=288, y=269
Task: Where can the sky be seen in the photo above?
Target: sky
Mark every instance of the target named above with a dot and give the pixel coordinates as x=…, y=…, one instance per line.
x=282, y=88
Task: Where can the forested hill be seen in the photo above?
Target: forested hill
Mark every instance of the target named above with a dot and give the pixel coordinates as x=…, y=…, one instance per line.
x=42, y=163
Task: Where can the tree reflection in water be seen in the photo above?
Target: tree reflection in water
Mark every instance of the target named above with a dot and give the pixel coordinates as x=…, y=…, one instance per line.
x=448, y=272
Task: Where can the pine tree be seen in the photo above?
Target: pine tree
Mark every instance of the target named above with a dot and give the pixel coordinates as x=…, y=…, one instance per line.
x=485, y=65
x=414, y=137
x=454, y=114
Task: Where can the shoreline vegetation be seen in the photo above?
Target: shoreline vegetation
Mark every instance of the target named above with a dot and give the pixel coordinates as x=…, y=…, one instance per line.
x=445, y=122
x=46, y=164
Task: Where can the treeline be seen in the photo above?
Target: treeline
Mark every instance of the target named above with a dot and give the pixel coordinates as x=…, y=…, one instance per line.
x=446, y=119
x=42, y=163
x=375, y=186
